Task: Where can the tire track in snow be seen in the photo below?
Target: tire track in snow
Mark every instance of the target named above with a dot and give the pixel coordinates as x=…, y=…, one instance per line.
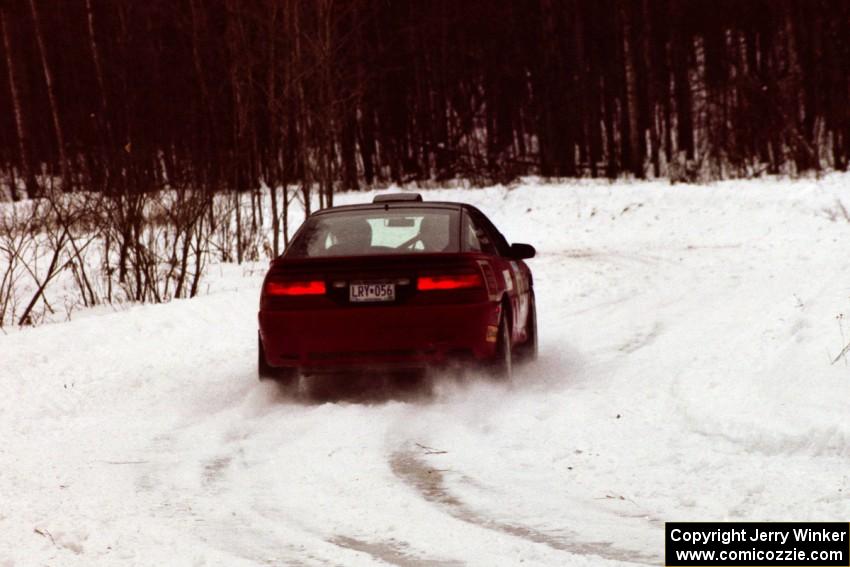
x=251, y=533
x=392, y=552
x=430, y=484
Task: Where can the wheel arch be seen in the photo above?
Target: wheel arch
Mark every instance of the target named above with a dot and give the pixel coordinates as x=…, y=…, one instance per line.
x=506, y=308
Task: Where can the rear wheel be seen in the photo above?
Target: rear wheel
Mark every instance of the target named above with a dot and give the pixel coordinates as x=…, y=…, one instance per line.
x=527, y=351
x=265, y=371
x=503, y=363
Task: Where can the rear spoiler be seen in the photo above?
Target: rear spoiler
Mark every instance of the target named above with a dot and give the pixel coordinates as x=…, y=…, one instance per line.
x=393, y=197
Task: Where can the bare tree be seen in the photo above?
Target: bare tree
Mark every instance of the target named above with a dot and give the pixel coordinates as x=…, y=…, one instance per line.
x=51, y=93
x=20, y=125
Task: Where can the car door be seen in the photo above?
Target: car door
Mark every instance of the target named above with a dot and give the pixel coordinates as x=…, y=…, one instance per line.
x=513, y=275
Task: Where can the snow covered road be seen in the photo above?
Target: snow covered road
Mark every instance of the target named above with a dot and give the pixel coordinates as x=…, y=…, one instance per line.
x=687, y=335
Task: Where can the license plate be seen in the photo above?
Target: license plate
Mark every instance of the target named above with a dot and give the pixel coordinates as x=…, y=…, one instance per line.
x=371, y=291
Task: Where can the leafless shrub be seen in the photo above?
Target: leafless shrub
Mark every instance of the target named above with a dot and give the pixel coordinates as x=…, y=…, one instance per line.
x=162, y=241
x=222, y=234
x=182, y=247
x=66, y=225
x=78, y=216
x=71, y=251
x=17, y=241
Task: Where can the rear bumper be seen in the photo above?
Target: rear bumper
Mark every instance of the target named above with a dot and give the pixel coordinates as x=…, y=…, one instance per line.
x=378, y=336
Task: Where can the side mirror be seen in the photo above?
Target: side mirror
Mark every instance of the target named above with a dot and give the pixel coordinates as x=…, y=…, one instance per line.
x=522, y=251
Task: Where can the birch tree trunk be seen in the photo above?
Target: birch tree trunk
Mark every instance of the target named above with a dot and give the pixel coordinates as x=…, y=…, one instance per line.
x=20, y=125
x=635, y=159
x=67, y=184
x=108, y=141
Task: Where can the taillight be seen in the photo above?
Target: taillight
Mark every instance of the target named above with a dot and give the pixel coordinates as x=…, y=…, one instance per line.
x=312, y=287
x=455, y=281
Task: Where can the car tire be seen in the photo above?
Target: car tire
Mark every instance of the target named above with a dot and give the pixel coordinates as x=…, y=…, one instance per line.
x=265, y=371
x=503, y=363
x=527, y=351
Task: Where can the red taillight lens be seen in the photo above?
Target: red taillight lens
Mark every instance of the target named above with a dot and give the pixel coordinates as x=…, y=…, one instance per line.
x=313, y=287
x=459, y=281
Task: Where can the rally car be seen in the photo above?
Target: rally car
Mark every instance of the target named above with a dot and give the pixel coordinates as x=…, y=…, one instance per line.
x=399, y=283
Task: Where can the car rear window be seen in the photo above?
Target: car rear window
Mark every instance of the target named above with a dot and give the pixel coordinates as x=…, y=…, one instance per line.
x=377, y=232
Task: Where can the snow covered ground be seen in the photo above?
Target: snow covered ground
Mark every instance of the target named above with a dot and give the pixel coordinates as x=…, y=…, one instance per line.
x=687, y=336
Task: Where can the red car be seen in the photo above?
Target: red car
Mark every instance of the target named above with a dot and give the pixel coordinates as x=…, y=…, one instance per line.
x=396, y=284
